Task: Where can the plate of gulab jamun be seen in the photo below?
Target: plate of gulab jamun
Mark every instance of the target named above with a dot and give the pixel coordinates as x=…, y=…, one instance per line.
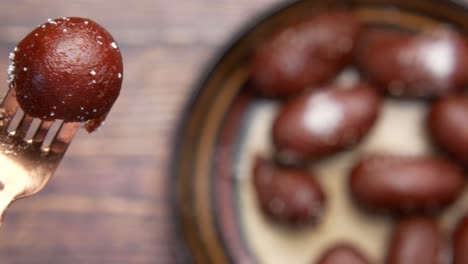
x=330, y=132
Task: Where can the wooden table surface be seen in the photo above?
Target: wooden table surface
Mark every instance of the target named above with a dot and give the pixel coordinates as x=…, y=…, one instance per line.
x=109, y=201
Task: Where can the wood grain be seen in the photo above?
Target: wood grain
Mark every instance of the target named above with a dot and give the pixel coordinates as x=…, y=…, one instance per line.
x=109, y=201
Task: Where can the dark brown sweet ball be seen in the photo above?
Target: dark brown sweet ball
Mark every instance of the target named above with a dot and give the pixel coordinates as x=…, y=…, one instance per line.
x=289, y=196
x=307, y=53
x=406, y=184
x=460, y=242
x=415, y=240
x=448, y=126
x=320, y=123
x=343, y=254
x=423, y=65
x=68, y=68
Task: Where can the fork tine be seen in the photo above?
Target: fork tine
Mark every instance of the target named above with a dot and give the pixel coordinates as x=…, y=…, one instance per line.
x=51, y=133
x=15, y=121
x=41, y=133
x=24, y=126
x=8, y=107
x=9, y=103
x=4, y=99
x=64, y=137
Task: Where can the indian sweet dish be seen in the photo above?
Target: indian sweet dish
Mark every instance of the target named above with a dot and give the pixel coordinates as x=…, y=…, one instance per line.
x=68, y=68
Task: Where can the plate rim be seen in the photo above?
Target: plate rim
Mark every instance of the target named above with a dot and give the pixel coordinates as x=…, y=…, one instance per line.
x=184, y=115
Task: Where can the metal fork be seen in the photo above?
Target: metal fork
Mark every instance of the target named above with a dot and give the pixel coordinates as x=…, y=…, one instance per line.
x=30, y=151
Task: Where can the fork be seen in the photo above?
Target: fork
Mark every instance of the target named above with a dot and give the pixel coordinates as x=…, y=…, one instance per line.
x=30, y=151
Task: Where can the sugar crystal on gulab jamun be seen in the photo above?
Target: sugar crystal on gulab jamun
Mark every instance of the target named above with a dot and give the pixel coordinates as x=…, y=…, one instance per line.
x=69, y=69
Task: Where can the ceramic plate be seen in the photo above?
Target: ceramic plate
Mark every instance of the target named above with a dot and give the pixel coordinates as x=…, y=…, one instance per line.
x=225, y=127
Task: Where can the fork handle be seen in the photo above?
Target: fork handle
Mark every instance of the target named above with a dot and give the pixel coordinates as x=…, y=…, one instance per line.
x=6, y=198
x=14, y=180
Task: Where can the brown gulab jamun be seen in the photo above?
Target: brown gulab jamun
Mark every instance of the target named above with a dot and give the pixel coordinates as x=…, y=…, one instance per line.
x=68, y=69
x=305, y=54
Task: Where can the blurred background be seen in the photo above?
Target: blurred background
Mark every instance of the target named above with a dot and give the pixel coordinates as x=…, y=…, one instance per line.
x=109, y=201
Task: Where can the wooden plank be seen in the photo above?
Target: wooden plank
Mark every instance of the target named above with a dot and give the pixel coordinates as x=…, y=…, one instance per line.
x=109, y=201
